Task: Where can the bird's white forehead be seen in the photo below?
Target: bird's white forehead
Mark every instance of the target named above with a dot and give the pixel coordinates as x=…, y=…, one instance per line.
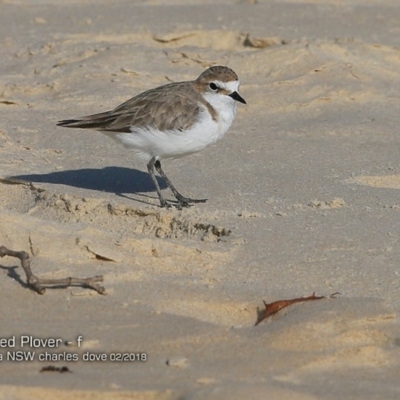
x=231, y=86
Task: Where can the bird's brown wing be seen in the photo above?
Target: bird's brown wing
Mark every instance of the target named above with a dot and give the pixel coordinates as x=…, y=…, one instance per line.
x=174, y=106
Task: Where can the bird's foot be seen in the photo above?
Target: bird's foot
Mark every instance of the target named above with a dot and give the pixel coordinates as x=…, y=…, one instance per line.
x=187, y=201
x=165, y=204
x=182, y=202
x=173, y=204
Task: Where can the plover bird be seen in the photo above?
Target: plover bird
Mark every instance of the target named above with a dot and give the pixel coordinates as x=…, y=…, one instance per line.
x=171, y=121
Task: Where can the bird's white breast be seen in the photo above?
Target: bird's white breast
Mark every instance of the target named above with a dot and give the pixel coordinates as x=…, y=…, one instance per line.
x=150, y=142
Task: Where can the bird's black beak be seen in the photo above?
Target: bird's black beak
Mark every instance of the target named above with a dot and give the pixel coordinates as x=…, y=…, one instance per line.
x=236, y=96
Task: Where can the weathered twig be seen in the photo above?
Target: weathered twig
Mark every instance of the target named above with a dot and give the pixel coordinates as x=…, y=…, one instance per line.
x=52, y=368
x=38, y=284
x=273, y=308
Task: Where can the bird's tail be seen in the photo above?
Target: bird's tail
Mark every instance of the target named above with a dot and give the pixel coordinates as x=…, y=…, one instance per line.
x=94, y=121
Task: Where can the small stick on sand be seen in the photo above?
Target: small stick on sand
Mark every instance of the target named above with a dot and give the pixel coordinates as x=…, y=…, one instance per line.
x=52, y=368
x=273, y=308
x=38, y=284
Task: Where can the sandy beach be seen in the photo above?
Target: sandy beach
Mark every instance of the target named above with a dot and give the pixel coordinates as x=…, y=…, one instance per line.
x=303, y=197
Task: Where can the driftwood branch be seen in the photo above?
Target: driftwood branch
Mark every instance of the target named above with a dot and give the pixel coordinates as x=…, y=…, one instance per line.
x=273, y=308
x=38, y=284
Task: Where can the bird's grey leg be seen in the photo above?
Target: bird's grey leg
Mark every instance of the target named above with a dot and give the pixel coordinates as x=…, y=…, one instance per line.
x=150, y=168
x=183, y=201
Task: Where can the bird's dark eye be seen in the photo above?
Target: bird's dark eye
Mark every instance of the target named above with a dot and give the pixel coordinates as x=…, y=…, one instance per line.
x=213, y=86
